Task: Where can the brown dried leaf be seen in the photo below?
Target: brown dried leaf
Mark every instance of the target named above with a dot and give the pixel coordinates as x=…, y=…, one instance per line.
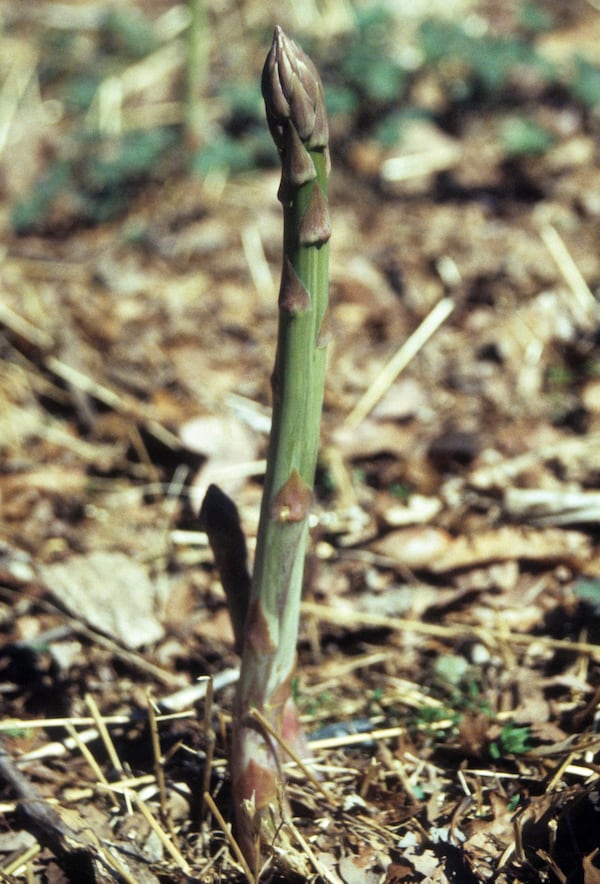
x=226, y=443
x=591, y=873
x=398, y=872
x=109, y=591
x=487, y=839
x=357, y=869
x=509, y=542
x=414, y=547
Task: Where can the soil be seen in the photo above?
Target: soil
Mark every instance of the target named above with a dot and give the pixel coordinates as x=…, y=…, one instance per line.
x=448, y=661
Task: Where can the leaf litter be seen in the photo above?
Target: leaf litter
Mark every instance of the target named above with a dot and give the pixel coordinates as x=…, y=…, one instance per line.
x=449, y=651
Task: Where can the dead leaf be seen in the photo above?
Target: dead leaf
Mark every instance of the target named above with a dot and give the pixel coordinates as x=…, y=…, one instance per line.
x=509, y=542
x=110, y=592
x=488, y=838
x=355, y=869
x=417, y=510
x=227, y=443
x=371, y=437
x=428, y=864
x=403, y=399
x=591, y=873
x=398, y=872
x=474, y=733
x=414, y=547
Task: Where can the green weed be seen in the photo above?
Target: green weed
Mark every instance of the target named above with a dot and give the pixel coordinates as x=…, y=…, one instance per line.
x=488, y=63
x=585, y=84
x=97, y=183
x=589, y=591
x=513, y=740
x=522, y=136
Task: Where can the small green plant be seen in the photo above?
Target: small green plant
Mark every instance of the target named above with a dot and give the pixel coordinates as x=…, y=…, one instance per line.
x=514, y=802
x=318, y=704
x=589, y=591
x=533, y=19
x=585, y=84
x=430, y=715
x=33, y=207
x=96, y=182
x=514, y=739
x=487, y=63
x=361, y=73
x=521, y=136
x=242, y=144
x=126, y=32
x=367, y=64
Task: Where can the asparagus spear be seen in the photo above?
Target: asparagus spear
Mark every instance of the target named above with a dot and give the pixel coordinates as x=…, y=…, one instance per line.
x=296, y=115
x=220, y=519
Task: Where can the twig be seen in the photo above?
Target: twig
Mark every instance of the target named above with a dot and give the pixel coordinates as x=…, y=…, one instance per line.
x=226, y=828
x=399, y=361
x=546, y=506
x=104, y=734
x=457, y=630
x=97, y=770
x=257, y=716
x=159, y=769
x=319, y=868
x=128, y=657
x=586, y=303
x=40, y=818
x=13, y=866
x=111, y=399
x=162, y=835
x=210, y=738
x=81, y=381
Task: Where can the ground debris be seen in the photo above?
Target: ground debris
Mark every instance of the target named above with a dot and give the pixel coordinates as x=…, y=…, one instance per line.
x=449, y=662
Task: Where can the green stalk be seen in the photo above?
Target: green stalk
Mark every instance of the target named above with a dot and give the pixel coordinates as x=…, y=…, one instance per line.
x=196, y=72
x=296, y=116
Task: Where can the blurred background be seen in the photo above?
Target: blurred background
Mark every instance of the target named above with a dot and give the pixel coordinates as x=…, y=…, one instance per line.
x=139, y=266
x=99, y=100
x=142, y=233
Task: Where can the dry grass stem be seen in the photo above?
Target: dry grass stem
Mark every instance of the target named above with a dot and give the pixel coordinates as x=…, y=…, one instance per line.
x=164, y=837
x=257, y=262
x=492, y=638
x=104, y=734
x=366, y=737
x=586, y=303
x=257, y=716
x=226, y=829
x=87, y=754
x=83, y=721
x=210, y=738
x=319, y=868
x=407, y=352
x=16, y=866
x=159, y=769
x=24, y=329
